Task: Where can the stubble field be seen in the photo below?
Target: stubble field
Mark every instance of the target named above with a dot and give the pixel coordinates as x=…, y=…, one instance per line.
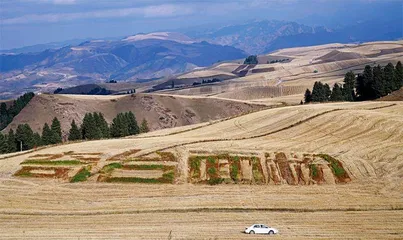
x=283, y=180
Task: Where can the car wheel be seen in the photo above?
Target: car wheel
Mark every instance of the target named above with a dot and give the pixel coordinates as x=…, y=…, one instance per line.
x=271, y=232
x=252, y=232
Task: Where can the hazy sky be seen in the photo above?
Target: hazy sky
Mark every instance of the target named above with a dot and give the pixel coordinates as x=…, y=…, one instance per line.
x=28, y=22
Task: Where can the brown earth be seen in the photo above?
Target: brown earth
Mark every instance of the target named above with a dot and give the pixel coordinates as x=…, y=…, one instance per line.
x=394, y=96
x=160, y=111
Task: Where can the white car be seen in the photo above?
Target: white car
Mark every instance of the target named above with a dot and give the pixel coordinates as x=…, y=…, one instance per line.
x=260, y=229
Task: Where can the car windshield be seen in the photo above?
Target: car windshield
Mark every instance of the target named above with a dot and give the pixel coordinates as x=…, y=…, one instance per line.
x=264, y=226
x=256, y=226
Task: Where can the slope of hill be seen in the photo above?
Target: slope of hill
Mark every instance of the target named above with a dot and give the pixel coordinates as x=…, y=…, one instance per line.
x=160, y=111
x=305, y=65
x=310, y=169
x=131, y=59
x=394, y=96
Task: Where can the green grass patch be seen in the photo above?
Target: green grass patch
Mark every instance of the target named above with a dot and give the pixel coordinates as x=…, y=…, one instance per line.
x=55, y=163
x=257, y=170
x=25, y=174
x=314, y=170
x=109, y=168
x=212, y=164
x=234, y=168
x=82, y=175
x=336, y=166
x=195, y=163
x=167, y=177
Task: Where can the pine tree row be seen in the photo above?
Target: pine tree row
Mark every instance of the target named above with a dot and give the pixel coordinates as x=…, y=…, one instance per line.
x=7, y=114
x=373, y=83
x=94, y=126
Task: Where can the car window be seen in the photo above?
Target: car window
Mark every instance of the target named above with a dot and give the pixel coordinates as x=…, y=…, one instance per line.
x=256, y=226
x=264, y=226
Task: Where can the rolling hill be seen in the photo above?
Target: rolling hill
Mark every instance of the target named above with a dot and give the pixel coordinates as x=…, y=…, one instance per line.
x=160, y=111
x=310, y=169
x=286, y=81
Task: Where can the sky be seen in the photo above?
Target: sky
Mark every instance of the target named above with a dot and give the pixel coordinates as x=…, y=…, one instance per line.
x=29, y=22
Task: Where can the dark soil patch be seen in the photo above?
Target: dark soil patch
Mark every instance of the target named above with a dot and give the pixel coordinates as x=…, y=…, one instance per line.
x=59, y=172
x=299, y=174
x=285, y=169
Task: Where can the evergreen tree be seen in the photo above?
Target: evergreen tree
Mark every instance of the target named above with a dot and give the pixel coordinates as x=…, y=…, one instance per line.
x=7, y=115
x=132, y=124
x=348, y=87
x=74, y=133
x=115, y=127
x=337, y=94
x=47, y=135
x=252, y=59
x=89, y=130
x=318, y=92
x=399, y=75
x=37, y=140
x=11, y=142
x=25, y=137
x=103, y=125
x=378, y=85
x=3, y=109
x=3, y=144
x=364, y=86
x=144, y=126
x=327, y=92
x=97, y=127
x=56, y=131
x=390, y=78
x=308, y=96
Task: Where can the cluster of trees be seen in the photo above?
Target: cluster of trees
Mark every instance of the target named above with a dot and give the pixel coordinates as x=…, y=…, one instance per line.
x=372, y=83
x=112, y=81
x=7, y=114
x=252, y=59
x=94, y=126
x=206, y=81
x=277, y=61
x=24, y=138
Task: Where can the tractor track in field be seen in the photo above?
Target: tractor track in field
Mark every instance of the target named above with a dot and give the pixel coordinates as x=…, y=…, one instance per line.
x=260, y=135
x=196, y=210
x=243, y=138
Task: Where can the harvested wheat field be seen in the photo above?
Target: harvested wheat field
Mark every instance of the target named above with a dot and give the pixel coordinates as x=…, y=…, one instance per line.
x=326, y=63
x=319, y=171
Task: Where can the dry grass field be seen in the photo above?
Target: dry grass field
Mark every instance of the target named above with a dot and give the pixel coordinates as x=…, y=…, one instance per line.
x=326, y=63
x=160, y=111
x=319, y=171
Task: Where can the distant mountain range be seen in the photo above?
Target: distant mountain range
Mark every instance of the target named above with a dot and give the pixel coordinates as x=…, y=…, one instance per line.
x=146, y=57
x=134, y=58
x=259, y=37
